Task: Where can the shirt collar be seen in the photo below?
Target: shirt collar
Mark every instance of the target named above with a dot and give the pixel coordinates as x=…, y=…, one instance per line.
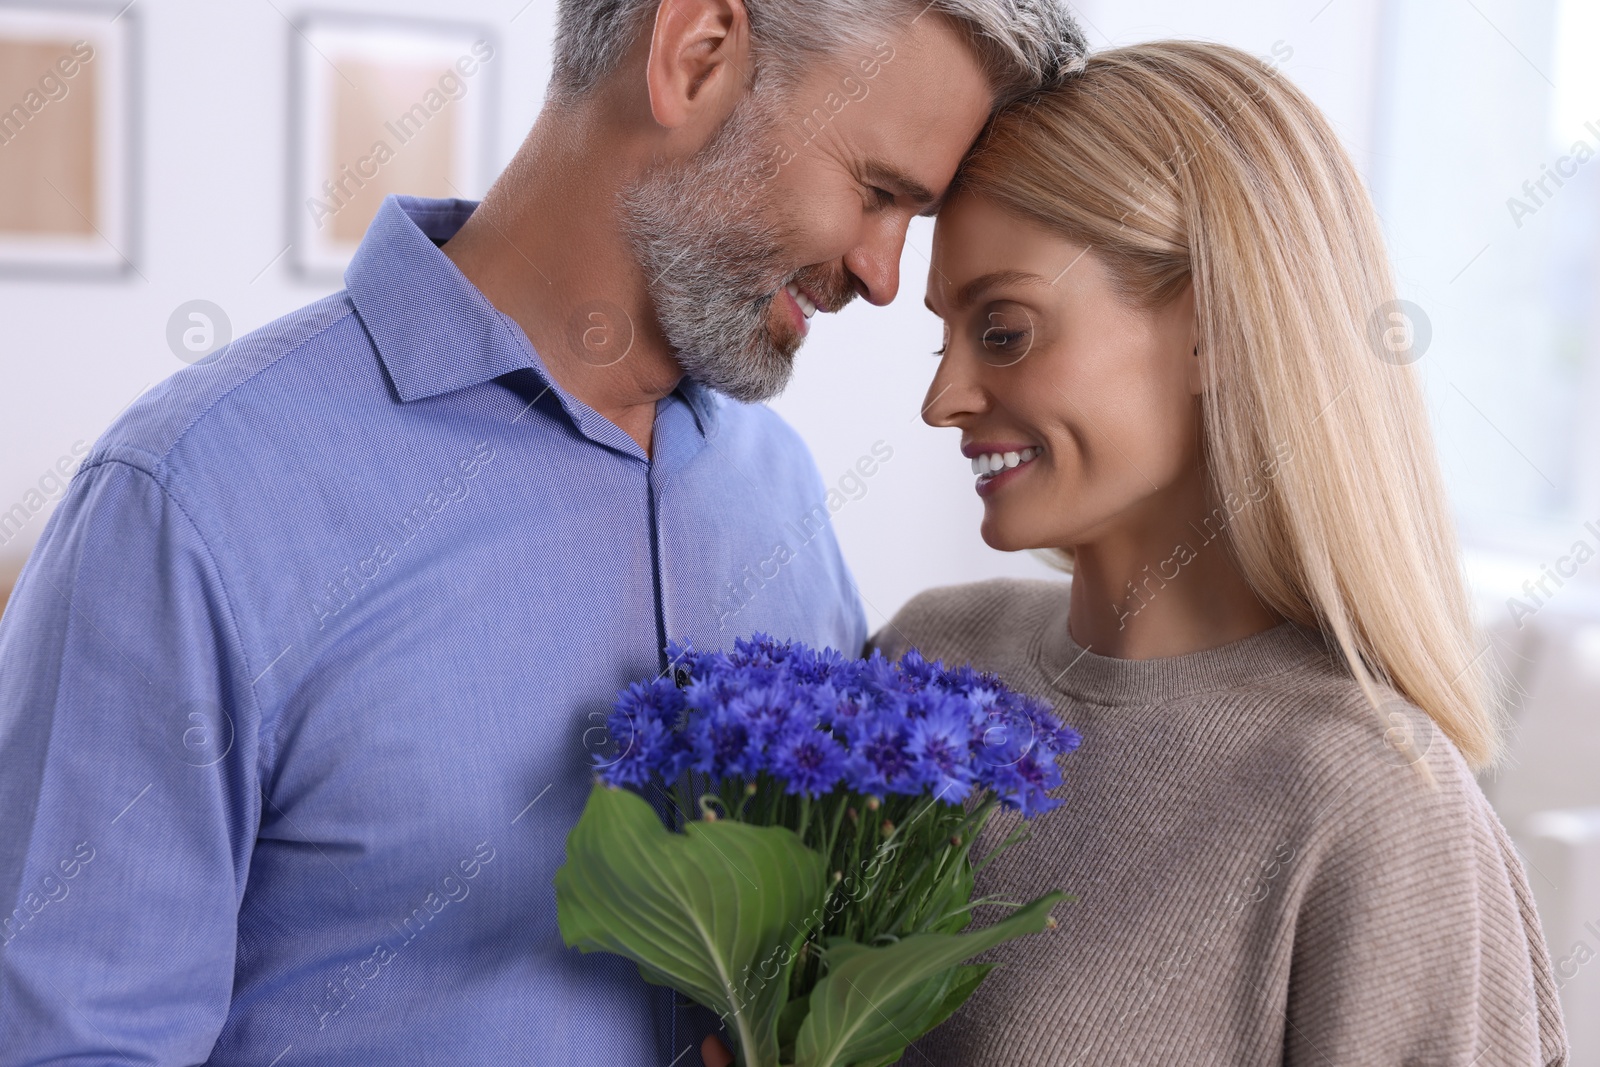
x=704, y=402
x=434, y=330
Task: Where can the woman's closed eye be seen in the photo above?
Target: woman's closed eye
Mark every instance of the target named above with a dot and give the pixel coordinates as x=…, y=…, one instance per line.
x=1004, y=337
x=1002, y=341
x=1007, y=335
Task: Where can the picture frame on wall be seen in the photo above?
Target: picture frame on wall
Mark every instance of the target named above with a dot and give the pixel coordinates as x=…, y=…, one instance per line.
x=382, y=106
x=68, y=140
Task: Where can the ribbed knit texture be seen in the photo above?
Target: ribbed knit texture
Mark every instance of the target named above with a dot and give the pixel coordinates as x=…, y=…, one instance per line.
x=1262, y=874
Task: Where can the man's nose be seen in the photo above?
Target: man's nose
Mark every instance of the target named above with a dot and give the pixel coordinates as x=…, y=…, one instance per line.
x=874, y=265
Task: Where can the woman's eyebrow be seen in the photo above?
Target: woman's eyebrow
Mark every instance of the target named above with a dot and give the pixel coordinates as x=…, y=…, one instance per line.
x=977, y=287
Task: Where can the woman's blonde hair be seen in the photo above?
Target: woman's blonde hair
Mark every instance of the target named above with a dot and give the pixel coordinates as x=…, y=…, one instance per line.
x=1185, y=162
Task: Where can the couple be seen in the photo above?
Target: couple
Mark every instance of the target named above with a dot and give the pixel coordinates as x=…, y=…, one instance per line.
x=299, y=687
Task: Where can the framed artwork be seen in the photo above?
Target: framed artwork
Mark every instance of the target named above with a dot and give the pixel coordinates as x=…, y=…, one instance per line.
x=382, y=106
x=67, y=140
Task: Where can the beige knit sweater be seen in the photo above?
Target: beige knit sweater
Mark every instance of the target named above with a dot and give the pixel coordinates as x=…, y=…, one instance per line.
x=1262, y=876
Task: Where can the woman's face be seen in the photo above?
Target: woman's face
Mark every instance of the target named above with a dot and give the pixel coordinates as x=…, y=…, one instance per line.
x=1092, y=403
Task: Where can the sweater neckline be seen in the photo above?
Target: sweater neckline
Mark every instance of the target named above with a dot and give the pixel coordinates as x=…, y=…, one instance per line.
x=1084, y=674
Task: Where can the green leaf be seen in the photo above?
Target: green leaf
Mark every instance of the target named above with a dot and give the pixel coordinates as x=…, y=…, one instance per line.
x=874, y=1002
x=718, y=912
x=883, y=1061
x=964, y=982
x=789, y=1020
x=936, y=1000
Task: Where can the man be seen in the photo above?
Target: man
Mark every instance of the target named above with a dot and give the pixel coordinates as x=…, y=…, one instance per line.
x=299, y=693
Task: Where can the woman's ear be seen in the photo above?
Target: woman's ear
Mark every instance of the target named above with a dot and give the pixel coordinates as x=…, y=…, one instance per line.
x=1197, y=359
x=698, y=63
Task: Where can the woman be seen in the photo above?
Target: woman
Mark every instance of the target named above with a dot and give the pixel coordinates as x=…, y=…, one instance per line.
x=1158, y=285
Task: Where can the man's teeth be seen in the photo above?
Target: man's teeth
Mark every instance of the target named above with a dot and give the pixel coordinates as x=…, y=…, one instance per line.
x=993, y=461
x=802, y=299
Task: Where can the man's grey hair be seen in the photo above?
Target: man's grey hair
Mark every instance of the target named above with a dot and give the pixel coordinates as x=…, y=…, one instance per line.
x=1022, y=45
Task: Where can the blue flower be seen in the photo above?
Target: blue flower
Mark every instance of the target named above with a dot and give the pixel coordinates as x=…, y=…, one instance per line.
x=760, y=651
x=819, y=668
x=810, y=761
x=940, y=746
x=817, y=719
x=1002, y=738
x=880, y=676
x=724, y=745
x=833, y=708
x=708, y=691
x=642, y=736
x=919, y=673
x=1060, y=738
x=1025, y=784
x=879, y=762
x=766, y=709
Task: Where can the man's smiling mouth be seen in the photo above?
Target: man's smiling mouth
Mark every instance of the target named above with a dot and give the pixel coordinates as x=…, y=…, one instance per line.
x=807, y=306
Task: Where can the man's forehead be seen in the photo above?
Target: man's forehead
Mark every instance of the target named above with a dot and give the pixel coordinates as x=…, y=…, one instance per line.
x=907, y=109
x=906, y=155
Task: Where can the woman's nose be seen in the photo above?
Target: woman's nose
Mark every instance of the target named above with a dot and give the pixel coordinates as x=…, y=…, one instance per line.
x=954, y=394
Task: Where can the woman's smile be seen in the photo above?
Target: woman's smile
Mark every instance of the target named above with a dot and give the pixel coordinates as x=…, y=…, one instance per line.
x=997, y=465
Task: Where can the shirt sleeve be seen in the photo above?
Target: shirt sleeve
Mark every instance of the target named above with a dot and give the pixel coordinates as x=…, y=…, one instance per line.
x=130, y=795
x=1417, y=941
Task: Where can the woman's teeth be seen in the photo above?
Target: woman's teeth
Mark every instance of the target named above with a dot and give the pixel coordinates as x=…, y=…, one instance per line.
x=992, y=462
x=802, y=299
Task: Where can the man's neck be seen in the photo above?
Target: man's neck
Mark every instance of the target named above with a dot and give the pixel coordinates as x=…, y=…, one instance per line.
x=546, y=249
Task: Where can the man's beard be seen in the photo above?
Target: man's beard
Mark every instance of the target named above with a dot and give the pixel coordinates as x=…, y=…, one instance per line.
x=714, y=257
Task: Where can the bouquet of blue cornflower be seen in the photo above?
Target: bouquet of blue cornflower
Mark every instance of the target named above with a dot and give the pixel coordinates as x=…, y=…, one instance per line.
x=817, y=875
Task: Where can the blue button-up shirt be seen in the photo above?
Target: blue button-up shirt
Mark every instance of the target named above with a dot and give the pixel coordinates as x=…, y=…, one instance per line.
x=299, y=690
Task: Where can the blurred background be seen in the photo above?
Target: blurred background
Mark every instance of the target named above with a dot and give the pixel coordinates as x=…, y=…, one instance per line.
x=162, y=189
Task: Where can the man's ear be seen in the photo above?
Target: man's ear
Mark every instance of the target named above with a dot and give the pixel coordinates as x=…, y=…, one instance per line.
x=699, y=61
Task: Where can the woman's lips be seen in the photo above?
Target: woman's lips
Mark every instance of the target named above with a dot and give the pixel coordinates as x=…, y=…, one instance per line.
x=997, y=468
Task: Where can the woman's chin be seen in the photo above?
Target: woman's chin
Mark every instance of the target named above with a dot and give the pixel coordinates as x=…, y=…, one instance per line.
x=1015, y=533
x=1001, y=538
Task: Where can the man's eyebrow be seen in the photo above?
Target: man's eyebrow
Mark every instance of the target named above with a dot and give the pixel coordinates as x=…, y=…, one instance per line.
x=898, y=181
